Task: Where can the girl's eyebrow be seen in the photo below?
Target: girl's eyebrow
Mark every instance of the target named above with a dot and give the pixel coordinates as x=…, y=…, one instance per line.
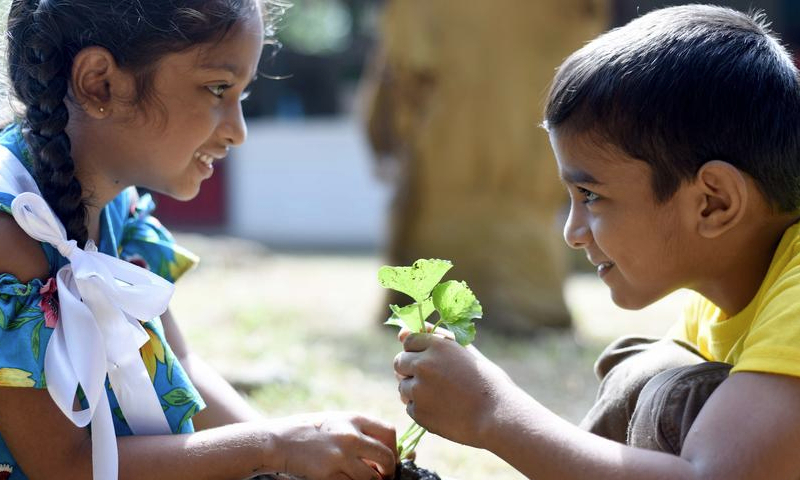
x=233, y=69
x=572, y=177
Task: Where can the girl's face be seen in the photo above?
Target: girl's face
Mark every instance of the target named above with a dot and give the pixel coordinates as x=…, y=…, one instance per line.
x=170, y=144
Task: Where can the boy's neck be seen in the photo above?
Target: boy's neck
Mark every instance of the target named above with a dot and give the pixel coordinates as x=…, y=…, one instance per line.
x=744, y=264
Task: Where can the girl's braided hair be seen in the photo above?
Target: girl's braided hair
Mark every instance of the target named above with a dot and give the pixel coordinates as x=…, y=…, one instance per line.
x=45, y=35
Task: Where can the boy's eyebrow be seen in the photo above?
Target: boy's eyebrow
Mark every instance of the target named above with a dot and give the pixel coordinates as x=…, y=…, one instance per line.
x=578, y=176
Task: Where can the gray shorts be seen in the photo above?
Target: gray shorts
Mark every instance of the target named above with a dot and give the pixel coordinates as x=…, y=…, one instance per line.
x=651, y=391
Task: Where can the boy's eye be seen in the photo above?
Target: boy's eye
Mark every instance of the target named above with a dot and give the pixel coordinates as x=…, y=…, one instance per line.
x=217, y=90
x=588, y=195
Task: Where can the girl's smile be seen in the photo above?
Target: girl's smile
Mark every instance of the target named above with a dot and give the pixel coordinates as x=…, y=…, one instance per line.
x=170, y=142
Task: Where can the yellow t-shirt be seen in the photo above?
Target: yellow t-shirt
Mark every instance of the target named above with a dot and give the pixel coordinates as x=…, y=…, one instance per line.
x=765, y=335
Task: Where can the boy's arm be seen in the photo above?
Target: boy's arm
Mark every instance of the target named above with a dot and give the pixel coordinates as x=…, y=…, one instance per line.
x=224, y=405
x=749, y=428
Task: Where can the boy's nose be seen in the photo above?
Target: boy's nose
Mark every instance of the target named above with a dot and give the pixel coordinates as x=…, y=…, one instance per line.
x=576, y=231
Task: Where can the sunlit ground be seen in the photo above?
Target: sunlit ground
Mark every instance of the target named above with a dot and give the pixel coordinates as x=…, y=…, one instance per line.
x=301, y=333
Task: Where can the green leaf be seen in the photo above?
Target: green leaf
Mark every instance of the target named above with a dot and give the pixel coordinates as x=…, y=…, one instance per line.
x=178, y=396
x=464, y=331
x=170, y=361
x=416, y=281
x=118, y=413
x=409, y=316
x=457, y=307
x=35, y=339
x=24, y=315
x=186, y=416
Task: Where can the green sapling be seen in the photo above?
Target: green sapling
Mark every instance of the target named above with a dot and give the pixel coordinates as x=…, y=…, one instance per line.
x=453, y=301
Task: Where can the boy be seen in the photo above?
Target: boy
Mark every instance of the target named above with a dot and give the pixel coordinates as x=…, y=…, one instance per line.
x=678, y=138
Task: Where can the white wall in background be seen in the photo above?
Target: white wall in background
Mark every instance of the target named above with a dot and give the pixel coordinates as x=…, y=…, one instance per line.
x=307, y=185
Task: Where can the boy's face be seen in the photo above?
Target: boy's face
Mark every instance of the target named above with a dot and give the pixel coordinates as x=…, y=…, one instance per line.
x=641, y=248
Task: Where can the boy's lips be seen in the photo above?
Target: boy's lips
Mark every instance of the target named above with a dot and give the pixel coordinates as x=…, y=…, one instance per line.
x=604, y=267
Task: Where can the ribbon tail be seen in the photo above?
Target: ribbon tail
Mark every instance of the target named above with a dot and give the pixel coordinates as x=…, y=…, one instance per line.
x=138, y=400
x=126, y=370
x=62, y=383
x=105, y=461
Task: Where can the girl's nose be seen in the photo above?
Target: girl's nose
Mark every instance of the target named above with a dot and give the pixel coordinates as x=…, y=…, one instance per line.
x=577, y=233
x=234, y=128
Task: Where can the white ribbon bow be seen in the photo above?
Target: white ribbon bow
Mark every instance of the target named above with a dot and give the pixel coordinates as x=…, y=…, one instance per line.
x=98, y=333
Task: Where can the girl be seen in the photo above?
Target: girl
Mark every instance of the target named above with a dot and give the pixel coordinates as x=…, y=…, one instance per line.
x=116, y=94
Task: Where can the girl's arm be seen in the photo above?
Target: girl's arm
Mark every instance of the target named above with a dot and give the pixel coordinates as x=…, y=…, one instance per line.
x=749, y=428
x=318, y=446
x=322, y=446
x=224, y=405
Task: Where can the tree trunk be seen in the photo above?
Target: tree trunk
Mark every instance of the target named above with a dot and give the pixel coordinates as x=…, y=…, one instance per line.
x=455, y=101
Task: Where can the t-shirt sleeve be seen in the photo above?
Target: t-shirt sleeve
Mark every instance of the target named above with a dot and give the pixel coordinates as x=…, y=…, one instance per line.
x=147, y=243
x=772, y=344
x=28, y=314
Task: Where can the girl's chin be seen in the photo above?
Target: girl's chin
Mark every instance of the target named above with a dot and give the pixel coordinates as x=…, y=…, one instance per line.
x=183, y=193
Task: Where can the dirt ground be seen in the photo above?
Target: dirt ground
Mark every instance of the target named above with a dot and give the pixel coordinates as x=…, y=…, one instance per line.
x=300, y=332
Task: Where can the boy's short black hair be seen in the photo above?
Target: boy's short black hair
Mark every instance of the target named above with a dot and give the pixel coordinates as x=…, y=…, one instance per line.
x=684, y=85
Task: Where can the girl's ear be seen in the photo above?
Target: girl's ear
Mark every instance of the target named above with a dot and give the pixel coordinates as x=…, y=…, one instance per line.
x=97, y=81
x=722, y=199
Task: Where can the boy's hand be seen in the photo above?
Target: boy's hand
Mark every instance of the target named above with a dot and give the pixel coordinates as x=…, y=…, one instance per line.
x=448, y=389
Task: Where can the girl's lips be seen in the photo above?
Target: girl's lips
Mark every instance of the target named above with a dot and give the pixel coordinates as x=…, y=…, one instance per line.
x=604, y=268
x=206, y=159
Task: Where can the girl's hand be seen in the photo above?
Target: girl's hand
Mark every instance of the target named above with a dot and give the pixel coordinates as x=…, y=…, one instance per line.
x=450, y=390
x=327, y=445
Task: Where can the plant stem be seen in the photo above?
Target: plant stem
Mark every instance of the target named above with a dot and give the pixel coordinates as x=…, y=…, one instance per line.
x=410, y=431
x=421, y=318
x=409, y=440
x=413, y=444
x=437, y=325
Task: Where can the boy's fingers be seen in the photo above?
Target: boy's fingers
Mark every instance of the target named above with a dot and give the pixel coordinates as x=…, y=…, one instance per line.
x=404, y=388
x=417, y=342
x=404, y=332
x=402, y=365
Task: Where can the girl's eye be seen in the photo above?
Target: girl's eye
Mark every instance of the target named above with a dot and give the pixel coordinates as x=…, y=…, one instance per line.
x=217, y=90
x=588, y=195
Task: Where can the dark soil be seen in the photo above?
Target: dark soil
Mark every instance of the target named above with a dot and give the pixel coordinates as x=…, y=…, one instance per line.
x=408, y=470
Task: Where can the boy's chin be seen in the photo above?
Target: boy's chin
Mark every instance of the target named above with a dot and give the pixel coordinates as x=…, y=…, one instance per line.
x=630, y=301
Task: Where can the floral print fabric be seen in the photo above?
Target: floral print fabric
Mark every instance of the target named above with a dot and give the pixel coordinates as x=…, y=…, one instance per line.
x=29, y=311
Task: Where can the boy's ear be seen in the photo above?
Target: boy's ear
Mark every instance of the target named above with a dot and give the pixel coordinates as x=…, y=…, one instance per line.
x=96, y=81
x=722, y=198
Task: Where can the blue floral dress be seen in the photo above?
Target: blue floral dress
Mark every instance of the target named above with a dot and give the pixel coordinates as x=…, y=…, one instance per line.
x=29, y=311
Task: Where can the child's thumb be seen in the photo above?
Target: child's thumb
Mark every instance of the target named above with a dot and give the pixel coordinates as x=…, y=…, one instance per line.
x=417, y=342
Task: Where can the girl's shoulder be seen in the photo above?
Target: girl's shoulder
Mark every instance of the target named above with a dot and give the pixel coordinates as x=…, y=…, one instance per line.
x=21, y=256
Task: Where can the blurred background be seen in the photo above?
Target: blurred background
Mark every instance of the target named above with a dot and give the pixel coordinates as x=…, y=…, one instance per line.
x=397, y=130
x=410, y=129
x=381, y=132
